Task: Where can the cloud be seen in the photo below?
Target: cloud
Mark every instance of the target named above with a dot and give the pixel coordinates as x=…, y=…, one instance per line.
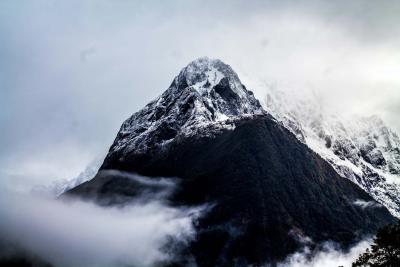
x=78, y=233
x=366, y=204
x=326, y=254
x=86, y=53
x=329, y=255
x=57, y=187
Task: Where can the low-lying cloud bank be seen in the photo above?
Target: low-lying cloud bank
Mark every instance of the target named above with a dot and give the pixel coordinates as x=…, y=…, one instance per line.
x=78, y=233
x=145, y=232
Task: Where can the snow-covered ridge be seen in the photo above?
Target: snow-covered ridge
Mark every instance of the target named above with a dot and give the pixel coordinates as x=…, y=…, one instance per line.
x=362, y=149
x=206, y=92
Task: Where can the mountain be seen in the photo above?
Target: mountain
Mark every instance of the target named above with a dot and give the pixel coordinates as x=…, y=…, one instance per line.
x=205, y=94
x=362, y=149
x=268, y=193
x=60, y=186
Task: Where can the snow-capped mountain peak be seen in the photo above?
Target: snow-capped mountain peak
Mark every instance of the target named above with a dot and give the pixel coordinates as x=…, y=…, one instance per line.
x=203, y=74
x=218, y=87
x=207, y=91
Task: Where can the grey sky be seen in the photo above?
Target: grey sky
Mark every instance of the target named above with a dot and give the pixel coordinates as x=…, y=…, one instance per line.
x=72, y=71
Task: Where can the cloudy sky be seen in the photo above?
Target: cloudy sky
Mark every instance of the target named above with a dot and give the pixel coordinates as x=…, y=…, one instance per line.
x=72, y=71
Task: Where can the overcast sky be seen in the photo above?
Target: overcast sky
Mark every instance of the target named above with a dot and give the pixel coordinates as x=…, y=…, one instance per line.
x=72, y=71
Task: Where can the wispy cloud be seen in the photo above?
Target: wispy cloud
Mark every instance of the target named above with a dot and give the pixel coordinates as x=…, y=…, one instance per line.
x=366, y=204
x=328, y=255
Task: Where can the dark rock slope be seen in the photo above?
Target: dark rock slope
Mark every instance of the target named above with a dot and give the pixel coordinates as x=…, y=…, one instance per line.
x=269, y=190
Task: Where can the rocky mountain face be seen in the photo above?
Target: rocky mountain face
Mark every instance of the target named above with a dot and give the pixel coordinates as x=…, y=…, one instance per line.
x=362, y=149
x=267, y=191
x=204, y=94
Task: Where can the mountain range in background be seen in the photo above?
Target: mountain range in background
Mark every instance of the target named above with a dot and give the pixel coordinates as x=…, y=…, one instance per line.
x=272, y=177
x=362, y=149
x=59, y=186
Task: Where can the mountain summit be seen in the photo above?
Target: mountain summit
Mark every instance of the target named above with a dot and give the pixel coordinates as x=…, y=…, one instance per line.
x=268, y=191
x=206, y=93
x=220, y=91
